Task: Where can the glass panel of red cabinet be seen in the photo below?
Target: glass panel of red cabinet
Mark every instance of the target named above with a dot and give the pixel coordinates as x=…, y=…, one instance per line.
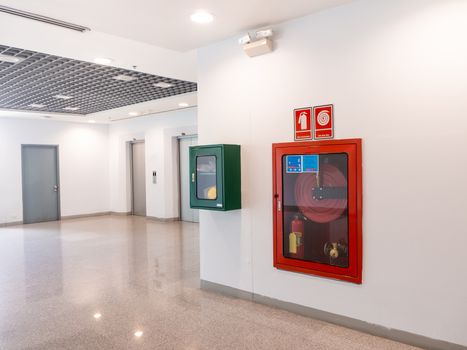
x=317, y=208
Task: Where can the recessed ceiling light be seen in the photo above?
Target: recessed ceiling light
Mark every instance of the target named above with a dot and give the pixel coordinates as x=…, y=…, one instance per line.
x=103, y=60
x=124, y=77
x=92, y=121
x=71, y=108
x=138, y=334
x=11, y=59
x=63, y=97
x=163, y=85
x=202, y=17
x=183, y=104
x=36, y=105
x=133, y=114
x=97, y=315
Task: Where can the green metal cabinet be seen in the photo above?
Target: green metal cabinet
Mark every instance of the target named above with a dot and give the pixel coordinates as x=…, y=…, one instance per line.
x=215, y=182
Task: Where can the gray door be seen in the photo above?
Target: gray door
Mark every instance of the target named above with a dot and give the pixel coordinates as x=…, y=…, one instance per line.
x=138, y=176
x=41, y=196
x=187, y=214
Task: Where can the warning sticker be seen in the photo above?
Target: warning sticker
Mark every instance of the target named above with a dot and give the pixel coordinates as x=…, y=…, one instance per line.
x=310, y=163
x=294, y=164
x=323, y=122
x=307, y=163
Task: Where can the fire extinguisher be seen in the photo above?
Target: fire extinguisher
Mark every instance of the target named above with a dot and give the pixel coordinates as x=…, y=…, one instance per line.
x=296, y=238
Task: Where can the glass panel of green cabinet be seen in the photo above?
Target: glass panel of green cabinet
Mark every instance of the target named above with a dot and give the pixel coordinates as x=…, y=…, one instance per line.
x=215, y=182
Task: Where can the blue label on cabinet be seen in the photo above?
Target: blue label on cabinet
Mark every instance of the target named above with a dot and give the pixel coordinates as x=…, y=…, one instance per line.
x=308, y=163
x=294, y=164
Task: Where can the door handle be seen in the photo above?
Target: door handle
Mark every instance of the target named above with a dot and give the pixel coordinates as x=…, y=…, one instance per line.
x=192, y=177
x=55, y=188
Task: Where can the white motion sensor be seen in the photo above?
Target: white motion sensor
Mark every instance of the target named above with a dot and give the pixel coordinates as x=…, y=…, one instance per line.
x=246, y=39
x=260, y=46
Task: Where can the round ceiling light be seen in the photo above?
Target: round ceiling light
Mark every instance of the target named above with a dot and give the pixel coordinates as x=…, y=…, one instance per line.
x=202, y=17
x=103, y=60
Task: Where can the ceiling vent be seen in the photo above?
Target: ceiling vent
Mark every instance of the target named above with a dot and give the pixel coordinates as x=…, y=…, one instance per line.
x=44, y=19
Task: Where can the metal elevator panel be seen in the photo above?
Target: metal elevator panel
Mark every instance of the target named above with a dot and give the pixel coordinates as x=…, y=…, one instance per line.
x=138, y=171
x=41, y=191
x=187, y=213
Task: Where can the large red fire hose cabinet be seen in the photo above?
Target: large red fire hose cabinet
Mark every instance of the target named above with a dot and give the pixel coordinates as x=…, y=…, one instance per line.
x=317, y=208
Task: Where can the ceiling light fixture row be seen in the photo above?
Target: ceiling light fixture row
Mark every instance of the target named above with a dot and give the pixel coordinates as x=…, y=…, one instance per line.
x=102, y=60
x=63, y=97
x=10, y=59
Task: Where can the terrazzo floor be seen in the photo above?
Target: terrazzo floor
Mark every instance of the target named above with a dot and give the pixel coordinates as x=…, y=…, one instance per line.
x=94, y=283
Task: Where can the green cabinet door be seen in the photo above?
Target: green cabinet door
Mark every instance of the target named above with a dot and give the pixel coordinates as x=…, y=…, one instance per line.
x=215, y=177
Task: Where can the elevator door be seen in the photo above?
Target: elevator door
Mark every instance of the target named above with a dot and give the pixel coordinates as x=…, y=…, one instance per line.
x=187, y=214
x=41, y=196
x=138, y=177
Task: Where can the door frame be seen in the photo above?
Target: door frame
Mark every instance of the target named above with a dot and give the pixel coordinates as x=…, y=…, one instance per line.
x=132, y=183
x=191, y=136
x=57, y=170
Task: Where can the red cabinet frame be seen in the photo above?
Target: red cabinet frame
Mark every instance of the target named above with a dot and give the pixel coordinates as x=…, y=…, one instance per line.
x=353, y=149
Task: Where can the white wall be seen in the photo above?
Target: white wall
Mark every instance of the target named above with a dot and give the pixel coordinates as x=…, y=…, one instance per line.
x=159, y=132
x=94, y=162
x=83, y=158
x=396, y=72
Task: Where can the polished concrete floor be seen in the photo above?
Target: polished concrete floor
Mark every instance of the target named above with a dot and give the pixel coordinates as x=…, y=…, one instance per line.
x=94, y=283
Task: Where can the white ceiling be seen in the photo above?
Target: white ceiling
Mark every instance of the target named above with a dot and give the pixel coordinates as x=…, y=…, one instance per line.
x=166, y=23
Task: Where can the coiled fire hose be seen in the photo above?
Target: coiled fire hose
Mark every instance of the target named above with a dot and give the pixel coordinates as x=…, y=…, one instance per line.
x=320, y=210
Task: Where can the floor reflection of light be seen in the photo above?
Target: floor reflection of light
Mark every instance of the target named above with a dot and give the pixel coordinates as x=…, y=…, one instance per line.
x=97, y=315
x=138, y=334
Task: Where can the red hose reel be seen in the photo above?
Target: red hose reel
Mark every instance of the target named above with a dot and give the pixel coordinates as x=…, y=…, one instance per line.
x=316, y=208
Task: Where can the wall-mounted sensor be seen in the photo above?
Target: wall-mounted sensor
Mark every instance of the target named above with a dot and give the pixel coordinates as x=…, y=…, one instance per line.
x=259, y=47
x=154, y=177
x=244, y=39
x=266, y=33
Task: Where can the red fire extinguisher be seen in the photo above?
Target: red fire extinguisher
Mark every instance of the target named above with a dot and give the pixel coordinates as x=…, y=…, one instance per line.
x=296, y=238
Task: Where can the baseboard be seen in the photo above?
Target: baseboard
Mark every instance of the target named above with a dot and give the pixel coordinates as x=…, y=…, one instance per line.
x=162, y=219
x=348, y=322
x=80, y=216
x=120, y=213
x=12, y=223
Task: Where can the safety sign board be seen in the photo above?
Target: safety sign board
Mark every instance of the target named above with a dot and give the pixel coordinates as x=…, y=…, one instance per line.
x=302, y=124
x=294, y=164
x=323, y=122
x=307, y=163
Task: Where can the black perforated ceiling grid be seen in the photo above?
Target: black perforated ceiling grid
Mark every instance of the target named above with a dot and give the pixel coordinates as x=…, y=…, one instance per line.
x=92, y=87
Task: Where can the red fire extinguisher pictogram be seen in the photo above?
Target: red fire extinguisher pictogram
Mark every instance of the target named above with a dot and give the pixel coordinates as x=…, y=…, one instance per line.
x=296, y=238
